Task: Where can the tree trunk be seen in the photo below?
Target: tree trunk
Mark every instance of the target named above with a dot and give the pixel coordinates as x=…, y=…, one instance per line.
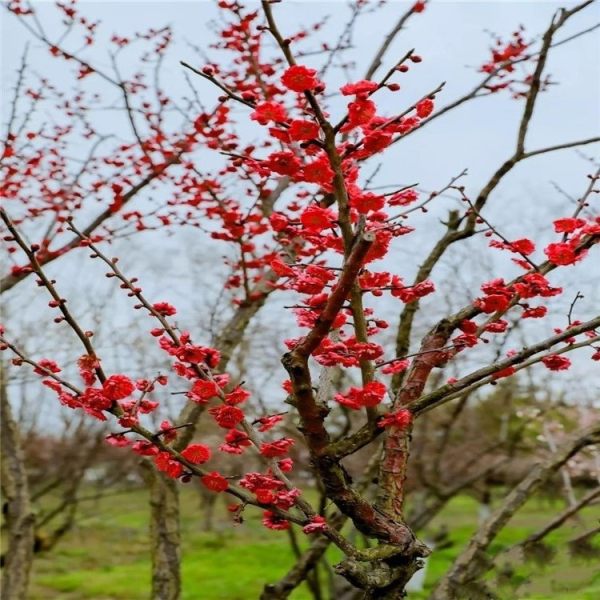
x=165, y=535
x=208, y=502
x=16, y=506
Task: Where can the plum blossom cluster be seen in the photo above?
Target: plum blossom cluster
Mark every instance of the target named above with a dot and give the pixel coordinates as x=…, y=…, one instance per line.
x=299, y=205
x=507, y=67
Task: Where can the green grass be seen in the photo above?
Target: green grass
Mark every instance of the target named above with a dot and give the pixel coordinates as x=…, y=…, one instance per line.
x=106, y=556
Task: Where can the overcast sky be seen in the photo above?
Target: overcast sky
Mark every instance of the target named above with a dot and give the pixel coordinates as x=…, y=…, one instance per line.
x=454, y=39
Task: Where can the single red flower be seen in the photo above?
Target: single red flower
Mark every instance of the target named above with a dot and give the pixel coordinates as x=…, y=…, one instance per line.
x=379, y=249
x=277, y=448
x=524, y=246
x=399, y=419
x=255, y=481
x=144, y=448
x=361, y=87
x=521, y=246
x=264, y=496
x=317, y=525
x=499, y=326
x=168, y=431
x=285, y=499
x=424, y=108
x=535, y=312
x=466, y=340
x=215, y=482
x=196, y=453
x=299, y=78
x=266, y=423
x=403, y=198
x=411, y=293
x=237, y=396
x=360, y=112
x=95, y=399
x=227, y=416
x=117, y=439
x=561, y=254
x=272, y=520
x=493, y=303
x=368, y=201
x=235, y=442
x=397, y=366
x=468, y=326
x=164, y=308
x=301, y=130
x=280, y=134
x=356, y=398
x=197, y=354
x=568, y=225
x=117, y=387
x=319, y=171
x=287, y=464
x=266, y=112
x=278, y=221
x=506, y=372
x=373, y=143
x=45, y=365
x=555, y=362
x=202, y=391
x=315, y=219
x=167, y=464
x=283, y=163
x=281, y=268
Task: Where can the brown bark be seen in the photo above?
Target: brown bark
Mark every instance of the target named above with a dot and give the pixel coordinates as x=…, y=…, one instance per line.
x=66, y=511
x=165, y=536
x=376, y=573
x=16, y=506
x=298, y=573
x=397, y=442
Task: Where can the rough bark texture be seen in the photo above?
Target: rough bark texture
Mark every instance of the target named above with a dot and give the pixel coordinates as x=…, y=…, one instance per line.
x=165, y=537
x=396, y=446
x=16, y=506
x=377, y=573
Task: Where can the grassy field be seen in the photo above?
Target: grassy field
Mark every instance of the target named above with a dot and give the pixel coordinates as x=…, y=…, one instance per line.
x=105, y=557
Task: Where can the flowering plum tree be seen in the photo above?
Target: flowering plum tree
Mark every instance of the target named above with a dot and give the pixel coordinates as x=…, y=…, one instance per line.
x=297, y=210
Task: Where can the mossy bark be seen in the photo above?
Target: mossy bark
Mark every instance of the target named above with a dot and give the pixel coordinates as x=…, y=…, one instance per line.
x=16, y=506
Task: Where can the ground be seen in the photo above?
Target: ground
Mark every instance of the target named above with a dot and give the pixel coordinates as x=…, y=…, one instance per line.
x=106, y=558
